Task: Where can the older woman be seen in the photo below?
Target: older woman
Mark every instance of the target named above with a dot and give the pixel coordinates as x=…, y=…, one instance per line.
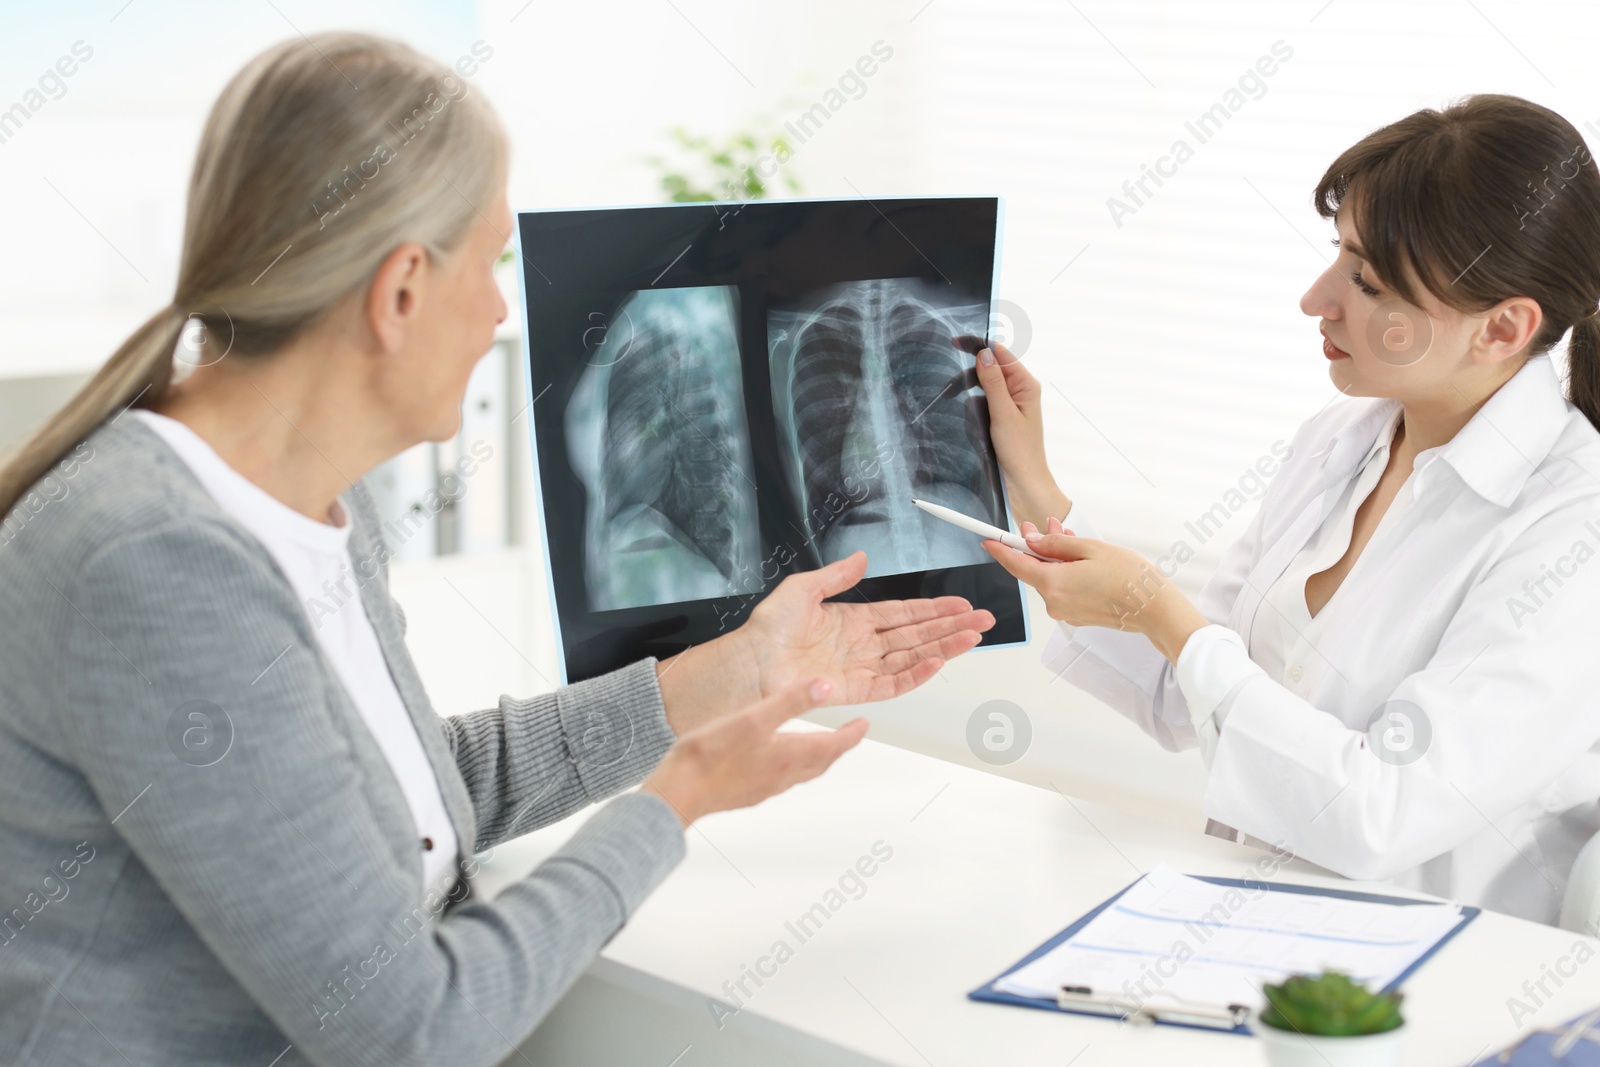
x=234, y=828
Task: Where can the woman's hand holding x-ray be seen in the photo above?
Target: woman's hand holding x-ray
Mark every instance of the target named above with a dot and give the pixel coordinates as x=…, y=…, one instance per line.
x=868, y=650
x=1016, y=426
x=1101, y=584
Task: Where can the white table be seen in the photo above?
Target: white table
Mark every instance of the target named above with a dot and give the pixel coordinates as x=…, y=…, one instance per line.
x=983, y=870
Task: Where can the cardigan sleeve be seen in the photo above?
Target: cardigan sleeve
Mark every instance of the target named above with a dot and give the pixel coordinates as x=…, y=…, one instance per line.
x=272, y=853
x=528, y=763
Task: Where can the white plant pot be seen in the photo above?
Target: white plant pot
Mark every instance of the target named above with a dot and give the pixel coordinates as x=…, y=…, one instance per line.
x=1285, y=1048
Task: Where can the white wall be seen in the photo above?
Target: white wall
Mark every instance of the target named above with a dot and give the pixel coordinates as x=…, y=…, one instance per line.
x=95, y=178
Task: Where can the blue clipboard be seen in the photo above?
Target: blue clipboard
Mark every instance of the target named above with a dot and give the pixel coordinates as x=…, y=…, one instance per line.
x=987, y=991
x=1574, y=1043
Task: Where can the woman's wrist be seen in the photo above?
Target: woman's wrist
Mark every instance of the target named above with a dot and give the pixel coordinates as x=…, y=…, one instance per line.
x=1170, y=621
x=1037, y=498
x=703, y=683
x=675, y=796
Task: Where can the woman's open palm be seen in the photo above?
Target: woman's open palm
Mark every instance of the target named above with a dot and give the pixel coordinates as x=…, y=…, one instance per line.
x=870, y=651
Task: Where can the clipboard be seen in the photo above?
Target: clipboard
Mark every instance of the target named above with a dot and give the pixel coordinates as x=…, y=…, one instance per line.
x=1574, y=1043
x=1086, y=1006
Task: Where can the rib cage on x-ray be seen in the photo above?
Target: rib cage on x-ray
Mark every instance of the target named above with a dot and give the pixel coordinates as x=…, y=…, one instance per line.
x=656, y=428
x=875, y=406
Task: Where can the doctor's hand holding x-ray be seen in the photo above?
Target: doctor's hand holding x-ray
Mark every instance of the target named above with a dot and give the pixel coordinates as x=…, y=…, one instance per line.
x=1106, y=584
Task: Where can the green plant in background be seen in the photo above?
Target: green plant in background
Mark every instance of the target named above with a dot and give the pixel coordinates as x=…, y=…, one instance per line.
x=1329, y=1005
x=746, y=166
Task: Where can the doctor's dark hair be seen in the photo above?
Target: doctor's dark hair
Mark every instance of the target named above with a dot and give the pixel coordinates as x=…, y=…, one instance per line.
x=320, y=157
x=1489, y=198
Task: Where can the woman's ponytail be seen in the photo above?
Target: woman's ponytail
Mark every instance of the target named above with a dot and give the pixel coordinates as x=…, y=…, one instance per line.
x=1583, y=367
x=138, y=372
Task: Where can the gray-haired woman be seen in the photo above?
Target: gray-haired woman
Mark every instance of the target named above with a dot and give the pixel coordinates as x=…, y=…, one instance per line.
x=300, y=899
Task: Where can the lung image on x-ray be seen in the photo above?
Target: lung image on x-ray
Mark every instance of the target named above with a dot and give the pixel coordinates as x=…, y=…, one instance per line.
x=717, y=401
x=657, y=435
x=874, y=407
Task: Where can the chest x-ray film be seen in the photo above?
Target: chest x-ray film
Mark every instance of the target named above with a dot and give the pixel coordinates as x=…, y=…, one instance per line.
x=724, y=394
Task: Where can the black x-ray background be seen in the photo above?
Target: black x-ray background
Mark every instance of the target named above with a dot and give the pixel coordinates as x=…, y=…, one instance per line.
x=579, y=266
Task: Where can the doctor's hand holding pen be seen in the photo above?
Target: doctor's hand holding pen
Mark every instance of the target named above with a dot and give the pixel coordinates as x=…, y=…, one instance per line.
x=1096, y=583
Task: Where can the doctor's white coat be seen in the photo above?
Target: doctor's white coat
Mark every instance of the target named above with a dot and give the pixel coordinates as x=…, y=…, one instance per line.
x=1468, y=629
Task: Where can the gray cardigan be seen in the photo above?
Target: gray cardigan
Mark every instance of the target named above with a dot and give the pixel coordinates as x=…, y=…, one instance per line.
x=207, y=858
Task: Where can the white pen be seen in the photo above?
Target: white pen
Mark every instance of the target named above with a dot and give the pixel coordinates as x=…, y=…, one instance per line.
x=979, y=527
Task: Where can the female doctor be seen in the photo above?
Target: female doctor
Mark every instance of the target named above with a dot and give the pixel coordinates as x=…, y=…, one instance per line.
x=1392, y=673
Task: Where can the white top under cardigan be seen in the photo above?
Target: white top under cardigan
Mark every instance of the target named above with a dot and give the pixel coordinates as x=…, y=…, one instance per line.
x=315, y=558
x=1437, y=724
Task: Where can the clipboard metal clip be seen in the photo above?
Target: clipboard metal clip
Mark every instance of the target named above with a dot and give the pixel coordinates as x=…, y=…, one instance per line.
x=1083, y=998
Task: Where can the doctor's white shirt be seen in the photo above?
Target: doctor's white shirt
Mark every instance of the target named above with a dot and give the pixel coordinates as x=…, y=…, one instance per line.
x=1437, y=724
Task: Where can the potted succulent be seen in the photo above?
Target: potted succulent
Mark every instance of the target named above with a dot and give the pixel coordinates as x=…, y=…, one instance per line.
x=1327, y=1020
